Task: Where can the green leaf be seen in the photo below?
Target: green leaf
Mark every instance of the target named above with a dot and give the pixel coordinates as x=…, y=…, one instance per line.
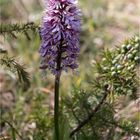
x=64, y=129
x=13, y=133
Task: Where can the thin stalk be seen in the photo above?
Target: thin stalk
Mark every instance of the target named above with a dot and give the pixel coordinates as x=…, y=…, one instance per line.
x=56, y=107
x=56, y=97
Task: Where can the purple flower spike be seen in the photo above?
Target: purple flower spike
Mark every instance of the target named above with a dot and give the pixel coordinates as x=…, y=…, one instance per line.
x=60, y=35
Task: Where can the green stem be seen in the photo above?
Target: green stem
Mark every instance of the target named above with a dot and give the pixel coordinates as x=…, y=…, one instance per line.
x=56, y=107
x=56, y=98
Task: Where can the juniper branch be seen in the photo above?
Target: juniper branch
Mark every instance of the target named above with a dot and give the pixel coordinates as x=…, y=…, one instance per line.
x=89, y=117
x=76, y=117
x=12, y=65
x=117, y=124
x=13, y=129
x=12, y=29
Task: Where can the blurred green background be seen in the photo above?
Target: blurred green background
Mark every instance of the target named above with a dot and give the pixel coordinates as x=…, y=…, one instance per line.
x=105, y=23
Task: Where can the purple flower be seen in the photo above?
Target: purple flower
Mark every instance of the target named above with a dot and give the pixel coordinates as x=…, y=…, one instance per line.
x=60, y=35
